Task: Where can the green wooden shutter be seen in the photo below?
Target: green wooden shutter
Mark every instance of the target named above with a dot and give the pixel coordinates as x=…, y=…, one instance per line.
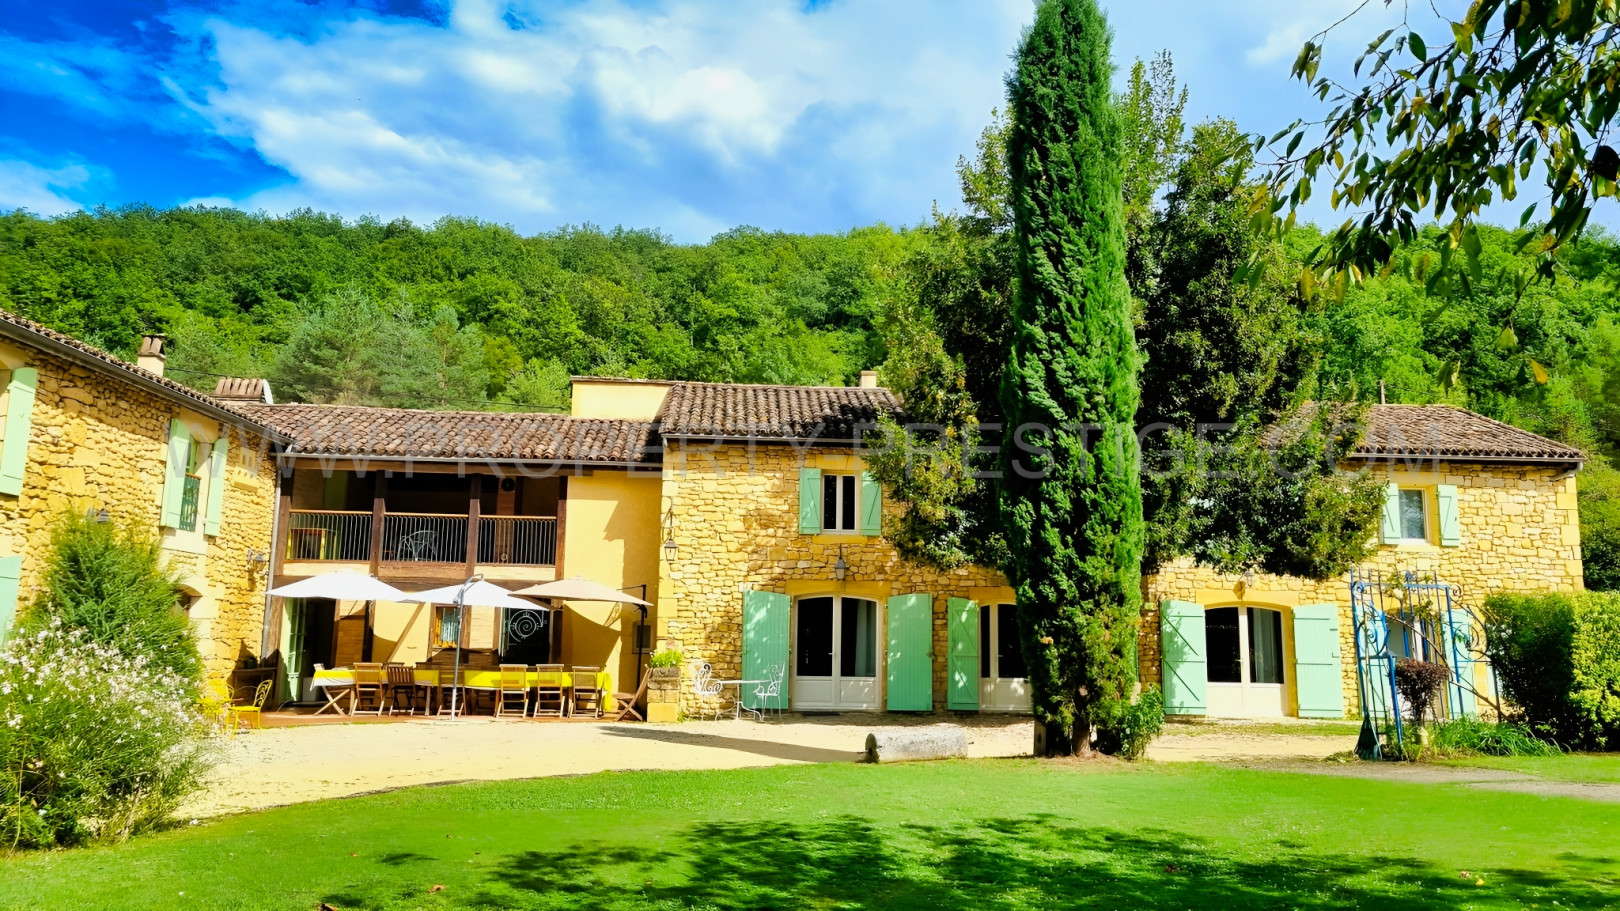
x=765, y=644
x=809, y=501
x=962, y=667
x=1450, y=526
x=174, y=474
x=10, y=585
x=1318, y=678
x=1389, y=526
x=1460, y=688
x=871, y=505
x=216, y=487
x=1186, y=668
x=910, y=662
x=19, y=424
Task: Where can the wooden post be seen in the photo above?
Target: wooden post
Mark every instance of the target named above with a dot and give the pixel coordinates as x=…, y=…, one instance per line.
x=474, y=504
x=562, y=525
x=379, y=508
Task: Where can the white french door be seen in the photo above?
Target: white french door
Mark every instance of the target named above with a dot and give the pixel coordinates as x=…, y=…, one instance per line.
x=1003, y=678
x=1244, y=646
x=836, y=654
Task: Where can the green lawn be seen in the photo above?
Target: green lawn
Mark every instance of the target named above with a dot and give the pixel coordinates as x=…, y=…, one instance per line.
x=1599, y=768
x=996, y=835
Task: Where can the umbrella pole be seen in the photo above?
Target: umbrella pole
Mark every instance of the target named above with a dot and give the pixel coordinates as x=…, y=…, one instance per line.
x=455, y=677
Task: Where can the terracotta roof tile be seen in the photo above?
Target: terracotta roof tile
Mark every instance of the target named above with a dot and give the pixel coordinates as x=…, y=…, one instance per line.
x=732, y=410
x=405, y=433
x=115, y=366
x=1444, y=431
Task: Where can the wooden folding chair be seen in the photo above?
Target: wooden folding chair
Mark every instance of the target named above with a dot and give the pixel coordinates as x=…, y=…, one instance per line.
x=627, y=701
x=587, y=695
x=401, y=683
x=514, y=688
x=548, y=696
x=368, y=684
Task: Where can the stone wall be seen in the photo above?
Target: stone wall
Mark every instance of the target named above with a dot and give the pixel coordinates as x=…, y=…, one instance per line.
x=99, y=442
x=732, y=511
x=1520, y=532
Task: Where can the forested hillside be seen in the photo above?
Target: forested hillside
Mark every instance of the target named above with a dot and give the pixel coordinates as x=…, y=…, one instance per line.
x=467, y=314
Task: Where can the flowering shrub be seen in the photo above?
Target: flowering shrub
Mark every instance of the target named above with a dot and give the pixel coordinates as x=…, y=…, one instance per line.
x=94, y=746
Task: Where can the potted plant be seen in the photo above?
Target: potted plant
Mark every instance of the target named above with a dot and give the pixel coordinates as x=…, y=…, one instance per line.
x=664, y=685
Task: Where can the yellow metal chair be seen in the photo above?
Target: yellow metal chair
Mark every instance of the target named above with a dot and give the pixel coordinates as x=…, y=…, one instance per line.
x=251, y=715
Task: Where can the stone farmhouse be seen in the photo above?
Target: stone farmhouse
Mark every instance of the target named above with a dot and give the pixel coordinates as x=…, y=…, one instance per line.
x=743, y=513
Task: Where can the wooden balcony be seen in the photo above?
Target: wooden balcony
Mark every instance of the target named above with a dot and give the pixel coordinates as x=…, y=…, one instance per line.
x=336, y=536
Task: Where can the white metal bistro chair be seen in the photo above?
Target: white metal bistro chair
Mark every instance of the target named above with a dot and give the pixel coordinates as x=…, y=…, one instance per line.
x=707, y=687
x=767, y=690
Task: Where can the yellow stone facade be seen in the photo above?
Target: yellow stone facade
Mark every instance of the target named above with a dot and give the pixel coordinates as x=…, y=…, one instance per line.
x=98, y=441
x=1520, y=531
x=732, y=511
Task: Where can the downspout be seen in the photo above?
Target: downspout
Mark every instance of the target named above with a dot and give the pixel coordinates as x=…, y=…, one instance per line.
x=270, y=633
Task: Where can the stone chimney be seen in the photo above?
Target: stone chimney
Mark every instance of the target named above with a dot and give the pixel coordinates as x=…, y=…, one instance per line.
x=236, y=389
x=869, y=379
x=152, y=354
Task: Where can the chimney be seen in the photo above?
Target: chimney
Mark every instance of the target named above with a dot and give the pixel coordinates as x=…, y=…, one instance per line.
x=151, y=357
x=236, y=389
x=869, y=379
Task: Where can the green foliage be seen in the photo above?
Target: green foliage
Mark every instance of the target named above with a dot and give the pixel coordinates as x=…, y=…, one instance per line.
x=667, y=658
x=1071, y=494
x=1132, y=729
x=542, y=386
x=1558, y=659
x=1452, y=127
x=1467, y=737
x=1600, y=525
x=111, y=581
x=95, y=745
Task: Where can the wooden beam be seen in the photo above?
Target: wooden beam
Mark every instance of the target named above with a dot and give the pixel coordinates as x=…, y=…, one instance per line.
x=562, y=524
x=379, y=508
x=474, y=503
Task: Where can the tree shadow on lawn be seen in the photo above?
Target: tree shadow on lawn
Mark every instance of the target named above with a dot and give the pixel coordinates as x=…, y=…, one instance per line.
x=995, y=865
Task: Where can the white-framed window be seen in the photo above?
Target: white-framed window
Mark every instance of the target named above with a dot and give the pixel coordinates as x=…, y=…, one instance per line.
x=840, y=502
x=1414, y=514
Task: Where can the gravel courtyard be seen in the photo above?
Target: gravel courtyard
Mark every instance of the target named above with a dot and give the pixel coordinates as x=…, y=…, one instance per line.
x=284, y=765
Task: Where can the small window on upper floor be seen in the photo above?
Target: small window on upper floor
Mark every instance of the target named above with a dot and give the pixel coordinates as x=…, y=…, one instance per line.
x=839, y=502
x=1414, y=515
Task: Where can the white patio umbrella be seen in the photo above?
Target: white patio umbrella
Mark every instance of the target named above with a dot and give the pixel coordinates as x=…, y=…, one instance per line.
x=474, y=592
x=579, y=588
x=342, y=586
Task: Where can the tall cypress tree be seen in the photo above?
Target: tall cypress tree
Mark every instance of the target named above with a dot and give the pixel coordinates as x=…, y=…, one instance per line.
x=1071, y=495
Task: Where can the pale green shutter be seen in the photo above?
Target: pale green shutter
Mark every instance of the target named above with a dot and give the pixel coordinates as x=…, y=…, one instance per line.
x=174, y=474
x=871, y=505
x=1318, y=678
x=910, y=659
x=19, y=424
x=809, y=501
x=1450, y=526
x=962, y=667
x=1186, y=668
x=1460, y=689
x=765, y=644
x=216, y=487
x=10, y=583
x=1389, y=527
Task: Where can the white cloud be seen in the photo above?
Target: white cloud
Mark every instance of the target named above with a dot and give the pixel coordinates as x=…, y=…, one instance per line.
x=690, y=116
x=39, y=190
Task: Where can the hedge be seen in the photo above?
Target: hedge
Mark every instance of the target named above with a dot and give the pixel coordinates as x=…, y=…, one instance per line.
x=1558, y=659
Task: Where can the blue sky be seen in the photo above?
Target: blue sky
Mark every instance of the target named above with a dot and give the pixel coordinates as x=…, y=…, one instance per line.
x=691, y=116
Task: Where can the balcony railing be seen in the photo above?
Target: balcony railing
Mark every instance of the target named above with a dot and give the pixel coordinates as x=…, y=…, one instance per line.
x=334, y=535
x=190, y=493
x=520, y=540
x=325, y=534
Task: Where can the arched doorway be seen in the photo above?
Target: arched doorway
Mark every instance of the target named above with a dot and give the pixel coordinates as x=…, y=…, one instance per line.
x=1244, y=650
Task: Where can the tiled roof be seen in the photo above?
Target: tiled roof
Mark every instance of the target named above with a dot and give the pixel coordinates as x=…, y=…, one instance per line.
x=1443, y=431
x=732, y=410
x=404, y=433
x=10, y=323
